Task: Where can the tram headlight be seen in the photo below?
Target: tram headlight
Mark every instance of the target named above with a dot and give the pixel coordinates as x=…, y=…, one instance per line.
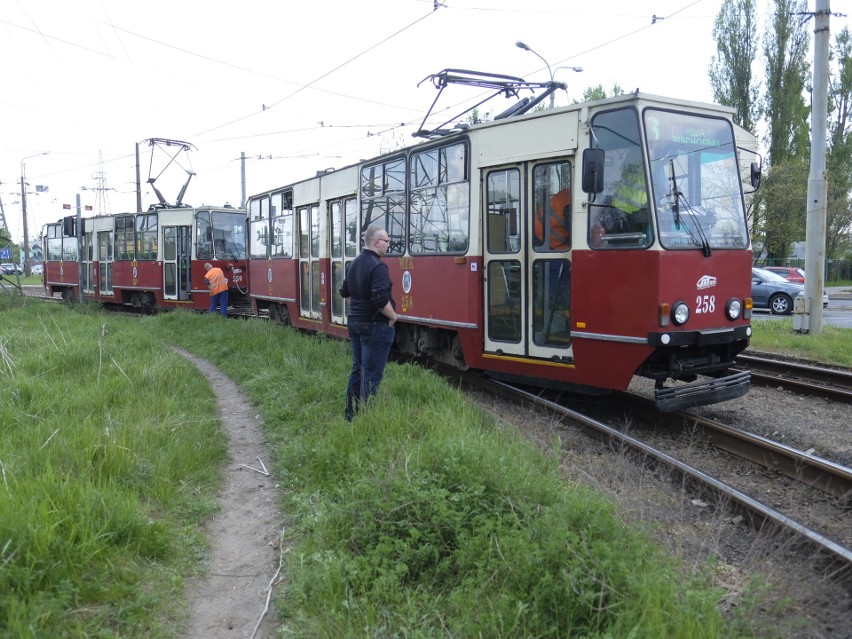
x=733, y=308
x=680, y=313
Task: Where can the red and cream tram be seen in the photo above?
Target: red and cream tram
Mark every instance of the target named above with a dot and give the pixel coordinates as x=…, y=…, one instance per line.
x=153, y=259
x=575, y=247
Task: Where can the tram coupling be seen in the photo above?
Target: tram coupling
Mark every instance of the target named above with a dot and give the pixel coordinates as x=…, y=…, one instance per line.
x=701, y=393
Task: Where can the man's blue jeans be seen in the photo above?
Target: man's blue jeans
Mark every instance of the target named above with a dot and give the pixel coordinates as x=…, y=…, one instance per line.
x=220, y=300
x=371, y=343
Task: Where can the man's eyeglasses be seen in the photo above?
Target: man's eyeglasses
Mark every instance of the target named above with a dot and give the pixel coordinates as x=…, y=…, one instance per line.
x=382, y=239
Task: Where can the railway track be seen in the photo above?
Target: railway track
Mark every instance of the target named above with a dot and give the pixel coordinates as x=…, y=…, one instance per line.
x=808, y=379
x=834, y=480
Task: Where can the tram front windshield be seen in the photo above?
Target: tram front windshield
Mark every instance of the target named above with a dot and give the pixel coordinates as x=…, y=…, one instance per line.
x=221, y=235
x=695, y=181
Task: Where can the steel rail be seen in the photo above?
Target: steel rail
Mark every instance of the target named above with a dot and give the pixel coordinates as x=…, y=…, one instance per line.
x=759, y=514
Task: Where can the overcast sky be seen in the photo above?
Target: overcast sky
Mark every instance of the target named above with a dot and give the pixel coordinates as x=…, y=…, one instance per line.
x=296, y=86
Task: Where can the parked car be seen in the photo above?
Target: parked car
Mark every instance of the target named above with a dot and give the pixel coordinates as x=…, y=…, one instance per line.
x=37, y=269
x=769, y=290
x=11, y=269
x=789, y=273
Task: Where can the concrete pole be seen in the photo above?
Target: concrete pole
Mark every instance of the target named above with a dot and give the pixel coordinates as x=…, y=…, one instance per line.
x=243, y=177
x=817, y=180
x=79, y=252
x=138, y=183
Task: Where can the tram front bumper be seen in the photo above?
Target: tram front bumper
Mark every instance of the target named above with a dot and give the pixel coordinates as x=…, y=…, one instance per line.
x=701, y=393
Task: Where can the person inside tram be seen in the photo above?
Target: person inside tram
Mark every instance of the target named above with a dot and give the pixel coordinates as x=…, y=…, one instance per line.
x=630, y=195
x=559, y=222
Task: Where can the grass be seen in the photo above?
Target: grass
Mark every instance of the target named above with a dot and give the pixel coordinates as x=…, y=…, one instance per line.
x=832, y=346
x=110, y=455
x=422, y=518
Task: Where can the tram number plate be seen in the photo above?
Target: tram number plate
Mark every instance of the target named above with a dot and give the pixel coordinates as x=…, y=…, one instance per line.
x=705, y=304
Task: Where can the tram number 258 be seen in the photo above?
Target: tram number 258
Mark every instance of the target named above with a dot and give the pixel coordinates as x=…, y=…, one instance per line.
x=705, y=304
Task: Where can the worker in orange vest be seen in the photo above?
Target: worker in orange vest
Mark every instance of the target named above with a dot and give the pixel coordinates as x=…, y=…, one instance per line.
x=559, y=221
x=218, y=285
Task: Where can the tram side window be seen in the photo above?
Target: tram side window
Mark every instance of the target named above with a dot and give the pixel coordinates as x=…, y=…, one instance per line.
x=503, y=204
x=203, y=236
x=282, y=224
x=54, y=242
x=259, y=224
x=350, y=211
x=383, y=200
x=282, y=235
x=146, y=236
x=620, y=217
x=124, y=240
x=440, y=201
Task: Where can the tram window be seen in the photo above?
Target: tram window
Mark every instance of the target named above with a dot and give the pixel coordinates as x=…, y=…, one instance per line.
x=552, y=207
x=259, y=245
x=146, y=236
x=551, y=297
x=69, y=249
x=124, y=241
x=440, y=201
x=383, y=200
x=504, y=301
x=336, y=229
x=229, y=235
x=304, y=228
x=351, y=213
x=619, y=216
x=203, y=236
x=282, y=235
x=503, y=203
x=318, y=230
x=54, y=242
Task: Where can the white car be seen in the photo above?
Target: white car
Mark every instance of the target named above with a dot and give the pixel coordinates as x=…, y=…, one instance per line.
x=37, y=269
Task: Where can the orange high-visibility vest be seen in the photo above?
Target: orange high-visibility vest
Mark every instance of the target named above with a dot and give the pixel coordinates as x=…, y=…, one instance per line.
x=216, y=280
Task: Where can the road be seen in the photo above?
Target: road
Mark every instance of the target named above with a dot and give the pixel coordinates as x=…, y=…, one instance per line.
x=838, y=313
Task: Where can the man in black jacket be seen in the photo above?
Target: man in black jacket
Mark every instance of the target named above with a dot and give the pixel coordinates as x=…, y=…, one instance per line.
x=371, y=318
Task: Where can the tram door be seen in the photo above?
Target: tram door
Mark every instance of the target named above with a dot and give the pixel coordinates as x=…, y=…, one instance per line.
x=343, y=222
x=105, y=262
x=549, y=259
x=505, y=297
x=527, y=260
x=176, y=257
x=311, y=294
x=86, y=276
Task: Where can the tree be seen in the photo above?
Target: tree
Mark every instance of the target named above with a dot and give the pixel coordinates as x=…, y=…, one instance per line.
x=839, y=161
x=731, y=77
x=784, y=198
x=787, y=71
x=599, y=93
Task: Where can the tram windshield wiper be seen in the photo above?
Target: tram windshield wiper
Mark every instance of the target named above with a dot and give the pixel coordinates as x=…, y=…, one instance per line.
x=677, y=195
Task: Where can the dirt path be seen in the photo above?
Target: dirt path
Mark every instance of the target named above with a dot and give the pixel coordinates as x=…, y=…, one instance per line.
x=232, y=600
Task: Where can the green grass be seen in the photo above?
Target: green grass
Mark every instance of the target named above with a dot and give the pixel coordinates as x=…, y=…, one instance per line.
x=422, y=518
x=832, y=346
x=110, y=454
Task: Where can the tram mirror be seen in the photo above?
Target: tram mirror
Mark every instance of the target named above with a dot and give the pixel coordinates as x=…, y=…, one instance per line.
x=593, y=165
x=755, y=174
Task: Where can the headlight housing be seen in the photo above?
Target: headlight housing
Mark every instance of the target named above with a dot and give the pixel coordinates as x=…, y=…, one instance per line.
x=733, y=308
x=680, y=313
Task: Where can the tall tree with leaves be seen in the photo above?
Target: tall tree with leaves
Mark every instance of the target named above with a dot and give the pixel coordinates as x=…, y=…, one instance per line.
x=839, y=161
x=785, y=49
x=731, y=77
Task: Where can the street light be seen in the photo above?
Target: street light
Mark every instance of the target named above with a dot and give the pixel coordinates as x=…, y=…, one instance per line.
x=526, y=47
x=24, y=210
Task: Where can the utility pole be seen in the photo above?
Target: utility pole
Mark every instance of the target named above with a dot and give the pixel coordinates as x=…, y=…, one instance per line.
x=817, y=181
x=243, y=177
